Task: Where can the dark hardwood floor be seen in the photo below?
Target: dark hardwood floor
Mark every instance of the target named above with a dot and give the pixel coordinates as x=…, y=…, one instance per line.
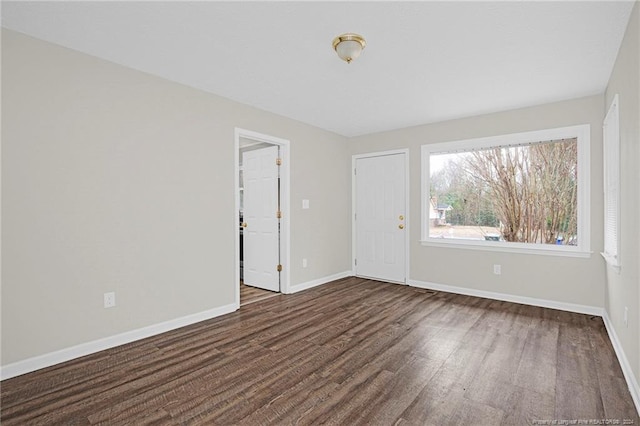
x=350, y=352
x=249, y=294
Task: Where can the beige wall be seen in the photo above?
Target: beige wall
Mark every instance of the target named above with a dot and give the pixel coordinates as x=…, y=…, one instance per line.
x=562, y=279
x=115, y=180
x=623, y=289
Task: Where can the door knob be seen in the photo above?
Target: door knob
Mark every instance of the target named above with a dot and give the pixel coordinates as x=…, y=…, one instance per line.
x=401, y=226
x=401, y=217
x=244, y=224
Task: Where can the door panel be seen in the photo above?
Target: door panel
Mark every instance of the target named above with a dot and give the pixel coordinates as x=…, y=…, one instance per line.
x=380, y=202
x=261, y=237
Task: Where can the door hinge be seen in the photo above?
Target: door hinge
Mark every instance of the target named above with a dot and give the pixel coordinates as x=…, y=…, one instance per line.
x=279, y=214
x=356, y=262
x=355, y=171
x=279, y=268
x=278, y=161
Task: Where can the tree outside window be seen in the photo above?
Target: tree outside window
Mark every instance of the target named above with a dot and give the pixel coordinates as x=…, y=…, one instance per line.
x=521, y=190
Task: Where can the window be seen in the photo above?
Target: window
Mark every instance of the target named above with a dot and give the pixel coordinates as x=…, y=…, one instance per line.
x=525, y=192
x=611, y=156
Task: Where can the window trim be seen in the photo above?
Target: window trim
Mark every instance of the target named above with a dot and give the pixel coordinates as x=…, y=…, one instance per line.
x=581, y=132
x=611, y=159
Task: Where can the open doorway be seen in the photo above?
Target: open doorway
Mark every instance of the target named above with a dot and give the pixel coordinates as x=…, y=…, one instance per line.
x=262, y=213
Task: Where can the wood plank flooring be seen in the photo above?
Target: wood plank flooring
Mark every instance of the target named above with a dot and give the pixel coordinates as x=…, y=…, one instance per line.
x=350, y=352
x=249, y=294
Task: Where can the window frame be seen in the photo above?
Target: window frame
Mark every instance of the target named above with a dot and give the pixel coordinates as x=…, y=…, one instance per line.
x=611, y=183
x=583, y=135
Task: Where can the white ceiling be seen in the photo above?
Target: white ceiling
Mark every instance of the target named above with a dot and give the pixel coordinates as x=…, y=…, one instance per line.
x=424, y=61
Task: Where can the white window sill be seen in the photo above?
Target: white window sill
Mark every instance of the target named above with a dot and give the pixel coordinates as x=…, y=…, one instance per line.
x=613, y=262
x=518, y=248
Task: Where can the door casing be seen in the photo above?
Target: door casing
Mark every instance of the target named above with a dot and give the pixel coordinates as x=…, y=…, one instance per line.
x=354, y=158
x=285, y=223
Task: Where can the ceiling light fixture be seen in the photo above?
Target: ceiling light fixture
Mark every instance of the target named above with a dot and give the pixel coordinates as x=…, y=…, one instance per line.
x=349, y=46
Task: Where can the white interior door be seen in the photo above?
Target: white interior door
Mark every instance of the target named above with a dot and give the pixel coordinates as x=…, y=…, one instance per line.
x=260, y=236
x=380, y=217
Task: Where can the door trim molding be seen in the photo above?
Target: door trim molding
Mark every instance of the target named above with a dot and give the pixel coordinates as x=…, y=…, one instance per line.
x=405, y=152
x=285, y=197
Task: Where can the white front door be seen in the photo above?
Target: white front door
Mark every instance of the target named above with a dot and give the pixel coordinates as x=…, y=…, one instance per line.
x=380, y=217
x=261, y=239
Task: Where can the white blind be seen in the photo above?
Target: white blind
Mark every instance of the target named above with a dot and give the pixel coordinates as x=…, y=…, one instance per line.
x=611, y=155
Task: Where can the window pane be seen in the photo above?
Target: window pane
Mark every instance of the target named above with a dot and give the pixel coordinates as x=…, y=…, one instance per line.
x=525, y=193
x=612, y=184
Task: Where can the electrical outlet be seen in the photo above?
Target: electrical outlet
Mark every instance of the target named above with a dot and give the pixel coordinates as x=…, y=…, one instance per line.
x=304, y=263
x=497, y=269
x=626, y=316
x=109, y=300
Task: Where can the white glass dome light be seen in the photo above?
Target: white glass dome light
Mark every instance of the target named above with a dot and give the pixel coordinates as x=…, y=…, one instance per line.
x=349, y=46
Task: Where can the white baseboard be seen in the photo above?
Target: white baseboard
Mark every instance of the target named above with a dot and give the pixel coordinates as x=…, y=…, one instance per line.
x=632, y=383
x=36, y=363
x=314, y=283
x=563, y=306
